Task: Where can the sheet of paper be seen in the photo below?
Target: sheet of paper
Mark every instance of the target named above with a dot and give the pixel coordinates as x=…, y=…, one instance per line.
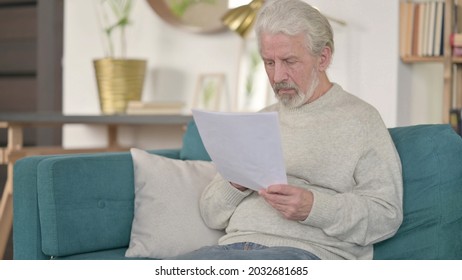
x=245, y=147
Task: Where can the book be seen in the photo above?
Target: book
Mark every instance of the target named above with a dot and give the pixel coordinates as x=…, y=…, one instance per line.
x=457, y=17
x=457, y=51
x=410, y=11
x=456, y=39
x=402, y=28
x=431, y=28
x=425, y=37
x=152, y=108
x=419, y=29
x=438, y=47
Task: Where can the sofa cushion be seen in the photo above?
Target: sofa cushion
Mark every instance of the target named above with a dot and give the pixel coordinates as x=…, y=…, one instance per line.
x=167, y=219
x=431, y=157
x=86, y=202
x=193, y=148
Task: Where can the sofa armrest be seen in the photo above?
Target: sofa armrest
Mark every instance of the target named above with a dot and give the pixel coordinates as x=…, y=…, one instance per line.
x=68, y=204
x=27, y=238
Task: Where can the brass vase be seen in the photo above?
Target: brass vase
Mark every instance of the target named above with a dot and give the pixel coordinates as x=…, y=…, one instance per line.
x=119, y=81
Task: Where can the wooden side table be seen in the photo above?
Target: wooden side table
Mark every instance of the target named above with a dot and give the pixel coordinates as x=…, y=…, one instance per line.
x=14, y=150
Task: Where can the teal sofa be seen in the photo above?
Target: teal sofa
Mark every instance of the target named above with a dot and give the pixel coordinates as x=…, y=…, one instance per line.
x=81, y=206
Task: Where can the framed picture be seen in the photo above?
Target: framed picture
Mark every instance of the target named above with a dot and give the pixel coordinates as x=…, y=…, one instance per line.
x=209, y=91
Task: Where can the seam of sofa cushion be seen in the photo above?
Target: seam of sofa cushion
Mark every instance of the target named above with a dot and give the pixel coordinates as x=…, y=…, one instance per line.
x=52, y=172
x=49, y=177
x=436, y=154
x=38, y=205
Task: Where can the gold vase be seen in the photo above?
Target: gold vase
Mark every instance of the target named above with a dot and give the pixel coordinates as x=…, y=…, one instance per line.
x=119, y=81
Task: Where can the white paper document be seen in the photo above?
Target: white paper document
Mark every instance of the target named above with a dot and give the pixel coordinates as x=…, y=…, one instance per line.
x=245, y=147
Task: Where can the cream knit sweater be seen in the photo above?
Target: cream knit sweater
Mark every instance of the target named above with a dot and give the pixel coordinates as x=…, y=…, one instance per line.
x=339, y=148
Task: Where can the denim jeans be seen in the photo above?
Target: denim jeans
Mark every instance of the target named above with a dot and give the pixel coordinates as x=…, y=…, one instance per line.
x=247, y=251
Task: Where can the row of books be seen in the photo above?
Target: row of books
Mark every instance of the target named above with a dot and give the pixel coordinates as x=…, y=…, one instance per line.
x=422, y=28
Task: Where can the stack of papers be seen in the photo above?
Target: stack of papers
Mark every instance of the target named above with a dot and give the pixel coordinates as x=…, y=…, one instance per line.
x=245, y=147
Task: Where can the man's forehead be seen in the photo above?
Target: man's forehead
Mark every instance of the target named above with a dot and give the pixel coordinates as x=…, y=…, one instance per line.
x=282, y=44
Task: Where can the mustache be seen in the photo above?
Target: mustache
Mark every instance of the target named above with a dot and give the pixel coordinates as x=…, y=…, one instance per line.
x=284, y=85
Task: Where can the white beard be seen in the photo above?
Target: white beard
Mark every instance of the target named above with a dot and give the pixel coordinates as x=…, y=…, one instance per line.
x=300, y=98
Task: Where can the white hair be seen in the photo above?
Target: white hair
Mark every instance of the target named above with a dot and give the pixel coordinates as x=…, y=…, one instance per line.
x=293, y=17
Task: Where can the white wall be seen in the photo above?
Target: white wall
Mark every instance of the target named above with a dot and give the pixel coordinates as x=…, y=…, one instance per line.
x=366, y=60
x=365, y=63
x=421, y=93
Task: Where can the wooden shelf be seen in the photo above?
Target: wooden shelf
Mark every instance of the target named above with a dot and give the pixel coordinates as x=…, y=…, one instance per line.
x=457, y=59
x=418, y=59
x=452, y=79
x=430, y=59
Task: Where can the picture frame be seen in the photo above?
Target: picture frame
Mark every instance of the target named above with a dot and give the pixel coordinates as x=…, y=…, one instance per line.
x=209, y=91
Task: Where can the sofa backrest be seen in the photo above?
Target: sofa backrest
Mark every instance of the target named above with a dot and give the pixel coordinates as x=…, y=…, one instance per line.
x=431, y=156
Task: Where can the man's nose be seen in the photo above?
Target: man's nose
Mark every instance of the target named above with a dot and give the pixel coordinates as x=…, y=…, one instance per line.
x=280, y=73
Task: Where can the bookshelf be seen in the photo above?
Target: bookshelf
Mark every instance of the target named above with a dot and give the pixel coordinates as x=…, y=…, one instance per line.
x=425, y=37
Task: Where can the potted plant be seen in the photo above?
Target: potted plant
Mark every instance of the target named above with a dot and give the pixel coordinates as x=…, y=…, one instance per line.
x=119, y=79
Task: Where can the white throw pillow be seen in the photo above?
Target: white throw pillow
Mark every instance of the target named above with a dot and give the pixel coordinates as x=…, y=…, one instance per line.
x=167, y=221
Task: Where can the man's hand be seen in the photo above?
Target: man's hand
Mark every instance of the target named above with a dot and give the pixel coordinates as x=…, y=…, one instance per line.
x=294, y=203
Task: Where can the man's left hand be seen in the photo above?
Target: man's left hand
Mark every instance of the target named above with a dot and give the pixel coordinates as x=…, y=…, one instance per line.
x=294, y=203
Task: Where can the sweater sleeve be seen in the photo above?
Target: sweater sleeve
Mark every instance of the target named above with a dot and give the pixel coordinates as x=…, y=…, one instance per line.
x=218, y=202
x=372, y=210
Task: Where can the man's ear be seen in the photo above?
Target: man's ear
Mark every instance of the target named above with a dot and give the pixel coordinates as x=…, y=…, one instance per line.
x=325, y=58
